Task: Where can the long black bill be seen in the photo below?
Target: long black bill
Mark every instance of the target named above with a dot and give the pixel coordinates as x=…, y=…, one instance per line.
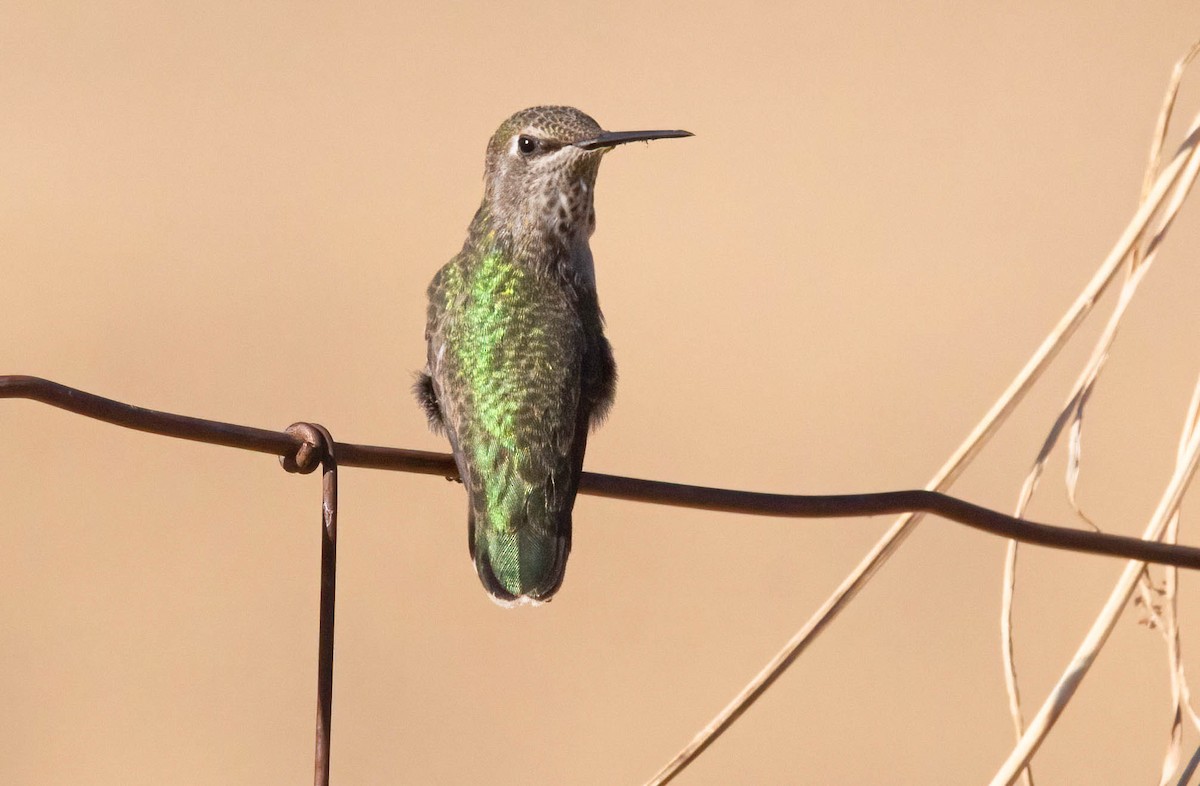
x=614, y=138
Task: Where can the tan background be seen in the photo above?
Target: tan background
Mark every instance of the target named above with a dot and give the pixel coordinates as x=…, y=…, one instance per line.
x=232, y=210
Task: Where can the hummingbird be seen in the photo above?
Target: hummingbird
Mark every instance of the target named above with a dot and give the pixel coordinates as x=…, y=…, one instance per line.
x=518, y=368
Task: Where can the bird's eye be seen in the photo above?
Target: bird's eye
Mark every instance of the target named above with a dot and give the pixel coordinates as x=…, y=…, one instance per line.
x=527, y=145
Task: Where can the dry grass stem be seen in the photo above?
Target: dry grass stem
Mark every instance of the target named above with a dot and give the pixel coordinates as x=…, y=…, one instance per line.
x=1140, y=259
x=1180, y=691
x=1163, y=186
x=1086, y=654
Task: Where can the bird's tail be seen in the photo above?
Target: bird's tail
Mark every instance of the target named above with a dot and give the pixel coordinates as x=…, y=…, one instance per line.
x=522, y=560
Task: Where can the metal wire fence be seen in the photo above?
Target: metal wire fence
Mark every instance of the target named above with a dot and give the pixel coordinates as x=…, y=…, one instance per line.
x=302, y=447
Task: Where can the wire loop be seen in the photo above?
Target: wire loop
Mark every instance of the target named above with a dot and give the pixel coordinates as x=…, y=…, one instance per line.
x=311, y=451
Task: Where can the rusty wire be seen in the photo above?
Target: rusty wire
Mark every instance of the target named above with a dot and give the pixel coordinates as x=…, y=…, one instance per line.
x=281, y=443
x=318, y=449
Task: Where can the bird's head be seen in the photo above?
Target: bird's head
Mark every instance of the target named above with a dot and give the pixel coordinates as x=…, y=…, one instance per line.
x=541, y=171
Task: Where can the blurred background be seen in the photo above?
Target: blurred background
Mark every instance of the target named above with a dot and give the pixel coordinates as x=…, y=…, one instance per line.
x=232, y=210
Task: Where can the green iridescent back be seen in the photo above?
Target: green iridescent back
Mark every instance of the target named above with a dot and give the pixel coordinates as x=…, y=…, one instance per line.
x=507, y=371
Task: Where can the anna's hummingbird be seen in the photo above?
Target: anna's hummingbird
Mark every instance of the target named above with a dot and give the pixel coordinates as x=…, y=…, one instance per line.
x=518, y=367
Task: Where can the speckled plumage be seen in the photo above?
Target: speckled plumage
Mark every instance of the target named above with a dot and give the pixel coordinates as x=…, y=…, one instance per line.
x=518, y=367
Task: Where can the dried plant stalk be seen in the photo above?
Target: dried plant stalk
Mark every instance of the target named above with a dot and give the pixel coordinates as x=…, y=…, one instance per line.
x=1141, y=259
x=1163, y=186
x=1169, y=625
x=1086, y=654
x=1072, y=412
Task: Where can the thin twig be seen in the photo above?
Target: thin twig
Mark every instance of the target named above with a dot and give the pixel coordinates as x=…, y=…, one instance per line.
x=614, y=486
